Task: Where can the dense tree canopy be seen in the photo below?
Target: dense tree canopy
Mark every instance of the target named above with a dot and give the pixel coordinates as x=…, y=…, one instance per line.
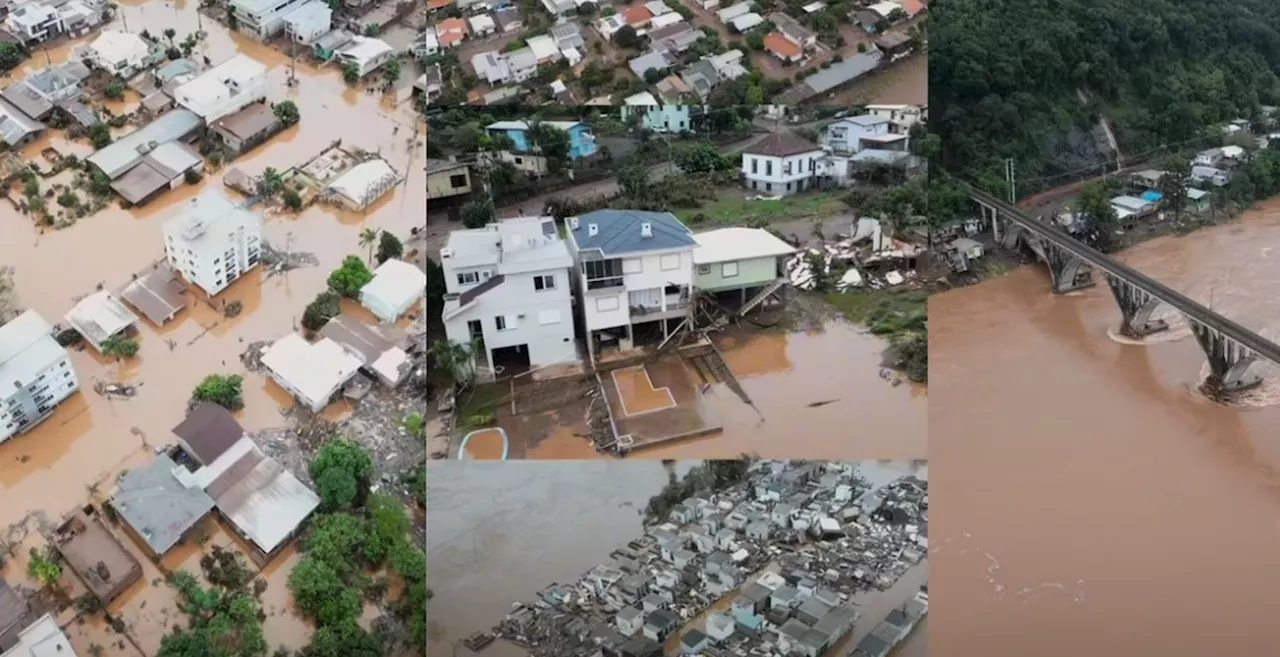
x=1030, y=79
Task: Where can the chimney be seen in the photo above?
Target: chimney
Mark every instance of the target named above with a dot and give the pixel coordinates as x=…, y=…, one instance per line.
x=646, y=229
x=593, y=230
x=446, y=253
x=573, y=223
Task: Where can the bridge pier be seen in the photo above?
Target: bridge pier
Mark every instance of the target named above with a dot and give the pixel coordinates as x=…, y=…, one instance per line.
x=1136, y=306
x=1229, y=361
x=1069, y=272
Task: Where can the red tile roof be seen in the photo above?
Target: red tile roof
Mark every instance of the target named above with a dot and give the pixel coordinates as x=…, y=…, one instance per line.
x=781, y=46
x=637, y=15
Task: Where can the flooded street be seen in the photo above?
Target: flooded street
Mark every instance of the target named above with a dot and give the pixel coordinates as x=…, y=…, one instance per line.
x=501, y=532
x=90, y=438
x=1107, y=482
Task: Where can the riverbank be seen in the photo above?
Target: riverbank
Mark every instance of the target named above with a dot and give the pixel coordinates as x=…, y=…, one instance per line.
x=899, y=316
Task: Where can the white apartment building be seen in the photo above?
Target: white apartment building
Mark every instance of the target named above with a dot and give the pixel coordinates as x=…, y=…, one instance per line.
x=212, y=241
x=633, y=269
x=35, y=374
x=508, y=286
x=224, y=89
x=781, y=164
x=309, y=21
x=35, y=21
x=902, y=117
x=261, y=19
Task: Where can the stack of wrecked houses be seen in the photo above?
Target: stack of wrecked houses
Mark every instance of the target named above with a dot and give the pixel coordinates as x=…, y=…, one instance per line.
x=867, y=257
x=815, y=534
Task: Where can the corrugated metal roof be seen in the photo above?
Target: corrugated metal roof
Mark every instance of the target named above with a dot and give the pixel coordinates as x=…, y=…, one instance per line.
x=843, y=72
x=117, y=157
x=619, y=232
x=262, y=499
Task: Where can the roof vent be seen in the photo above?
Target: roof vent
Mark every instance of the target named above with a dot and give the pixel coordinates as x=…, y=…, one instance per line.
x=593, y=230
x=646, y=229
x=446, y=253
x=573, y=223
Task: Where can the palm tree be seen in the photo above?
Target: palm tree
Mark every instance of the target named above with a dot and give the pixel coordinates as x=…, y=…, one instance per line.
x=456, y=358
x=369, y=237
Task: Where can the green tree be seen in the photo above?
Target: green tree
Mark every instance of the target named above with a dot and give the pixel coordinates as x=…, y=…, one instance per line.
x=270, y=183
x=700, y=157
x=477, y=213
x=10, y=56
x=389, y=524
x=369, y=238
x=287, y=112
x=99, y=183
x=350, y=73
x=119, y=347
x=1174, y=184
x=323, y=308
x=1099, y=217
x=341, y=471
x=626, y=37
x=350, y=277
x=345, y=639
x=221, y=389
x=291, y=200
x=389, y=246
x=100, y=135
x=44, y=567
x=224, y=620
x=391, y=71
x=114, y=89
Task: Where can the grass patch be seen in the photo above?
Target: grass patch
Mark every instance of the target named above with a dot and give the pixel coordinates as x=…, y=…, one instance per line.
x=735, y=210
x=479, y=407
x=883, y=312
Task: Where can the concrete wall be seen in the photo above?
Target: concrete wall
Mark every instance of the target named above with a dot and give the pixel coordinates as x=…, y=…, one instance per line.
x=547, y=343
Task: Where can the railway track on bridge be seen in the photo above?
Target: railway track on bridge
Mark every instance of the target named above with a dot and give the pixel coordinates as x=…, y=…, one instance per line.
x=1195, y=312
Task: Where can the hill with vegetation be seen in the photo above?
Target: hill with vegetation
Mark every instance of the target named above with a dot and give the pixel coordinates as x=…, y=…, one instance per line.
x=1041, y=81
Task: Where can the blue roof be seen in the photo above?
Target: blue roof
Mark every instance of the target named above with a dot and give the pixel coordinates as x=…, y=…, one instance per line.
x=1152, y=197
x=619, y=232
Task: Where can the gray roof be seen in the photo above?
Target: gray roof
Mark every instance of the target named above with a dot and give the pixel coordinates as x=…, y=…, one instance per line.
x=209, y=430
x=157, y=506
x=872, y=646
x=619, y=232
x=661, y=619
x=122, y=154
x=16, y=126
x=174, y=69
x=27, y=98
x=629, y=613
x=843, y=72
x=649, y=61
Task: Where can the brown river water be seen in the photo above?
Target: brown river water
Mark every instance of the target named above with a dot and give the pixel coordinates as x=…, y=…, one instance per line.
x=90, y=439
x=1087, y=493
x=500, y=532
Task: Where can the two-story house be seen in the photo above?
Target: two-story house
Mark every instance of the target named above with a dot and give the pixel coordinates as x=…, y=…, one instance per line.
x=633, y=269
x=781, y=164
x=901, y=117
x=525, y=153
x=854, y=134
x=656, y=116
x=507, y=288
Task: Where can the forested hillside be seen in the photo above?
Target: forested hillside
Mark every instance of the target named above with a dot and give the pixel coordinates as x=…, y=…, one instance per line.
x=1030, y=79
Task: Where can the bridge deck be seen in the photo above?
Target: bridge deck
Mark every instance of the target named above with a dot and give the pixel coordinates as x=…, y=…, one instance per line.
x=1259, y=345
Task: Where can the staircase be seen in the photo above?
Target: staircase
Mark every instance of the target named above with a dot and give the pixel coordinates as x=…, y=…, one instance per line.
x=759, y=298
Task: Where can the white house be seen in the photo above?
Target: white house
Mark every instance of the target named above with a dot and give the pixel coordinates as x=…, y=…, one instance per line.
x=308, y=22
x=482, y=26
x=212, y=241
x=492, y=67
x=780, y=164
x=43, y=638
x=99, y=317
x=901, y=117
x=634, y=269
x=366, y=53
x=224, y=89
x=395, y=287
x=854, y=134
x=312, y=373
x=657, y=117
x=33, y=21
x=508, y=286
x=360, y=186
x=262, y=18
x=119, y=53
x=35, y=374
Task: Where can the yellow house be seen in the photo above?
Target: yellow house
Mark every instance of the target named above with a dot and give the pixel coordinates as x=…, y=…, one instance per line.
x=445, y=179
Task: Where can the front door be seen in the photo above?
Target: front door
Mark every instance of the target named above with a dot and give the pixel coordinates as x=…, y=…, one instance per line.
x=475, y=329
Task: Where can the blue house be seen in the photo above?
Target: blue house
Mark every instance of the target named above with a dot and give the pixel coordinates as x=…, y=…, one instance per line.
x=581, y=142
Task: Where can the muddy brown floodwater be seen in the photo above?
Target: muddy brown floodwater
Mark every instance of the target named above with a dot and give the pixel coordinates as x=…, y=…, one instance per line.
x=501, y=532
x=1090, y=498
x=89, y=439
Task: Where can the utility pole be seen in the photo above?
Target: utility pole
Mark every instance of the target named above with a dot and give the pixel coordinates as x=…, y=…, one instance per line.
x=1010, y=176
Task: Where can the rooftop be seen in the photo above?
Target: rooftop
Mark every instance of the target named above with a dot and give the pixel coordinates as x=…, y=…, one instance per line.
x=16, y=126
x=115, y=47
x=192, y=220
x=314, y=370
x=100, y=316
x=364, y=183
x=523, y=125
x=261, y=498
x=249, y=122
x=42, y=638
x=14, y=615
x=394, y=281
x=96, y=556
x=27, y=348
x=158, y=506
x=119, y=156
x=158, y=294
x=779, y=144
x=210, y=92
x=381, y=349
x=363, y=49
x=209, y=430
x=781, y=46
x=620, y=232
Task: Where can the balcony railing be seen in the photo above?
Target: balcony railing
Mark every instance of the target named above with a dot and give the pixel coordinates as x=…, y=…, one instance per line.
x=604, y=283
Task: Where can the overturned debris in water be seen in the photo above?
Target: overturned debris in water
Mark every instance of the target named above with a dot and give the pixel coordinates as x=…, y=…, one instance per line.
x=276, y=262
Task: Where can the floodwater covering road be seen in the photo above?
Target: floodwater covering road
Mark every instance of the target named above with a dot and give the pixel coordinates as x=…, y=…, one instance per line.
x=501, y=532
x=90, y=438
x=1090, y=494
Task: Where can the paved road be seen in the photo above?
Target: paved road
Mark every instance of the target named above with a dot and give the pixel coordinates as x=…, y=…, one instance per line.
x=438, y=226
